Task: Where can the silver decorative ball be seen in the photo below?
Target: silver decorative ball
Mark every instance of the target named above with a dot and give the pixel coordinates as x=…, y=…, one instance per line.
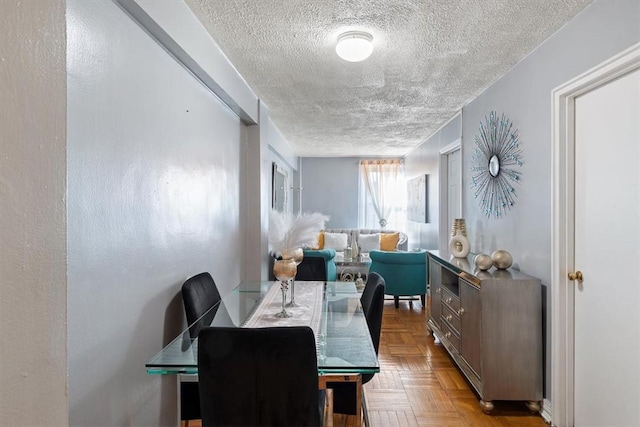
x=483, y=262
x=501, y=259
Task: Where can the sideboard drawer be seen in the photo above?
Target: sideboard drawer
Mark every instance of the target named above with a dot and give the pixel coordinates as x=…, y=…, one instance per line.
x=451, y=317
x=451, y=336
x=451, y=300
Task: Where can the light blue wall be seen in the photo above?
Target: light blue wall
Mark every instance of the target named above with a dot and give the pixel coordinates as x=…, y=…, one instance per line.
x=156, y=193
x=330, y=186
x=425, y=160
x=281, y=153
x=524, y=95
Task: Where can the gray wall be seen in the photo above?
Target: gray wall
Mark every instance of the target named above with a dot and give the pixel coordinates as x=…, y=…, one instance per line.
x=282, y=154
x=330, y=186
x=154, y=196
x=33, y=334
x=524, y=95
x=425, y=160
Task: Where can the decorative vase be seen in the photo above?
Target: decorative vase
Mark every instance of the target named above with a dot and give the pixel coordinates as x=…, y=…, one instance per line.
x=284, y=270
x=459, y=245
x=347, y=253
x=459, y=224
x=355, y=251
x=297, y=255
x=501, y=259
x=483, y=262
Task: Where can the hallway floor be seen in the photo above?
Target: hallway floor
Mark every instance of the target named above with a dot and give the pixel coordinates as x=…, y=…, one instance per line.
x=420, y=386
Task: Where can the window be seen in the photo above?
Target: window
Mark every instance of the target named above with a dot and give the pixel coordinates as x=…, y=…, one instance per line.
x=382, y=198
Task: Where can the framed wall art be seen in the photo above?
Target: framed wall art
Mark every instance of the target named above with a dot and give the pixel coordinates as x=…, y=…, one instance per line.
x=417, y=199
x=279, y=188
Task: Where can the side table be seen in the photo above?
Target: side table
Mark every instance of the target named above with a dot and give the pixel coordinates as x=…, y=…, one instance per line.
x=348, y=270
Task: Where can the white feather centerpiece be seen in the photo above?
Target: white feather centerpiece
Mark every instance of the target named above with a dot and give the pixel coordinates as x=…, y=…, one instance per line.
x=291, y=232
x=287, y=236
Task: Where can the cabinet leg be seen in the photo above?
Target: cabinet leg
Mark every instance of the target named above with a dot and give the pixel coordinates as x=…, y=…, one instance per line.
x=422, y=298
x=396, y=301
x=486, y=406
x=534, y=406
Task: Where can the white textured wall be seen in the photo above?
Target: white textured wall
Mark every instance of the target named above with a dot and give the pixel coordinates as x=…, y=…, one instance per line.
x=154, y=196
x=33, y=335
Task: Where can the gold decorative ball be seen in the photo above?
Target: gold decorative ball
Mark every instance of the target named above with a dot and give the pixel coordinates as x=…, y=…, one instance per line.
x=483, y=262
x=501, y=259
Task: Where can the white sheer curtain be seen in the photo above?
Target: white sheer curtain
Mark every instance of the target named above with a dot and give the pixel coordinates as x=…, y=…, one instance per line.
x=382, y=201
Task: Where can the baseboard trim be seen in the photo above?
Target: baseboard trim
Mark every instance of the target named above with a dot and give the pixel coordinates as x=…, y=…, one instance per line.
x=546, y=411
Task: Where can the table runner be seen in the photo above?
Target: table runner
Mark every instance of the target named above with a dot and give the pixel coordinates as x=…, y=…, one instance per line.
x=309, y=297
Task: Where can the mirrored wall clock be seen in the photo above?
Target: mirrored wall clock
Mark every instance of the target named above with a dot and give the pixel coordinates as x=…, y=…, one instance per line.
x=496, y=164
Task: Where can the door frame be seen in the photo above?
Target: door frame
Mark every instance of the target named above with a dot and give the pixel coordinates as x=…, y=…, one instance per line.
x=563, y=208
x=443, y=168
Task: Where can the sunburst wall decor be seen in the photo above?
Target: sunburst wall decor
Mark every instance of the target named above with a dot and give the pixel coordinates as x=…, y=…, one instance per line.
x=497, y=159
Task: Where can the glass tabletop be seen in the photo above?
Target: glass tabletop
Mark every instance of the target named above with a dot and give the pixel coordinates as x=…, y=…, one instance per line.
x=343, y=341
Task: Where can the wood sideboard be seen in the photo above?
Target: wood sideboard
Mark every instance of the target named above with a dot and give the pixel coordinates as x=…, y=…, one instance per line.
x=490, y=323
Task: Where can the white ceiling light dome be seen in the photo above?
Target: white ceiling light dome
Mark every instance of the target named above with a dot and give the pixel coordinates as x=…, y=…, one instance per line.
x=354, y=46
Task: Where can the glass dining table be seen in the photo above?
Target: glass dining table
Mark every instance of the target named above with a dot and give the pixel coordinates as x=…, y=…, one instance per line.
x=343, y=342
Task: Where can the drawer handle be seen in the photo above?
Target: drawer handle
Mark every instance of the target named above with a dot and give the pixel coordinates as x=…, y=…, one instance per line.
x=447, y=335
x=439, y=290
x=461, y=311
x=448, y=317
x=448, y=300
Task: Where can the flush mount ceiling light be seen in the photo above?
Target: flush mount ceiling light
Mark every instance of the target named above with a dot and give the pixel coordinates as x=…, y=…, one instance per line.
x=354, y=46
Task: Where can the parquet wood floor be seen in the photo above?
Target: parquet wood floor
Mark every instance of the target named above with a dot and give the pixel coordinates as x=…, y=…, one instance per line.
x=418, y=384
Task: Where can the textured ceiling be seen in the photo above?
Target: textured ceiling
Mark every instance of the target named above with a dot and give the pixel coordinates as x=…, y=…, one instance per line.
x=431, y=57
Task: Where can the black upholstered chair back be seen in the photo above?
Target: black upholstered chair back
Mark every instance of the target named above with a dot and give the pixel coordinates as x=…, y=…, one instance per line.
x=369, y=289
x=373, y=313
x=372, y=301
x=199, y=294
x=312, y=268
x=258, y=377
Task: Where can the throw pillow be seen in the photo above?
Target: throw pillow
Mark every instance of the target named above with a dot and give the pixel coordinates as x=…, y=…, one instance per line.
x=320, y=244
x=337, y=241
x=369, y=242
x=389, y=241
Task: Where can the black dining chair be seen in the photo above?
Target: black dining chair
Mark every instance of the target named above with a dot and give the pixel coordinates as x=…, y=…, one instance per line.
x=259, y=377
x=366, y=299
x=199, y=294
x=372, y=301
x=312, y=268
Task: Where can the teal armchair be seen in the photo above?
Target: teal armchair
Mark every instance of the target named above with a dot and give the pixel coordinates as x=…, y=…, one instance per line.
x=405, y=273
x=318, y=264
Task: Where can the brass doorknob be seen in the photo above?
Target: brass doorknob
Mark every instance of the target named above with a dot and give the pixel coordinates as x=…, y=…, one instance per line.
x=575, y=276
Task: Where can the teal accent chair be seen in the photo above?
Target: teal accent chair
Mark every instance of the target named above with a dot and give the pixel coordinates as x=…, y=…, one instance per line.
x=318, y=264
x=405, y=273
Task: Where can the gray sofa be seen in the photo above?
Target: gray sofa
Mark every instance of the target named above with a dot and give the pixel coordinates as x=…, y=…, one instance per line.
x=403, y=242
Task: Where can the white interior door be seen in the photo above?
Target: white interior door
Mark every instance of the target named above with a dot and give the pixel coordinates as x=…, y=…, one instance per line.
x=607, y=252
x=454, y=194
